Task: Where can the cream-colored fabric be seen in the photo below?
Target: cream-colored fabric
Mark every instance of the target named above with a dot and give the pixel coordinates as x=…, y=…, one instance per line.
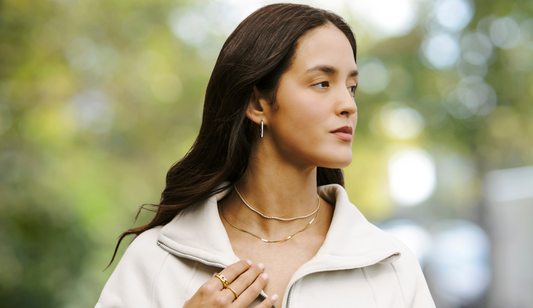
x=357, y=266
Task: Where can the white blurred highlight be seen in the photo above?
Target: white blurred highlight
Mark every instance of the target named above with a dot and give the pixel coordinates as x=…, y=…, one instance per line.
x=510, y=184
x=388, y=17
x=505, y=33
x=459, y=259
x=441, y=50
x=412, y=177
x=454, y=15
x=401, y=122
x=190, y=27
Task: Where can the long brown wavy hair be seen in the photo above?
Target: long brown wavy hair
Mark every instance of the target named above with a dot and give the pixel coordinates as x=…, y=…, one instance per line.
x=256, y=54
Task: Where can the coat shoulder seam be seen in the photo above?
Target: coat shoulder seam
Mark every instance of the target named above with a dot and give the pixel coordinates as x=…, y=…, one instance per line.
x=155, y=279
x=370, y=285
x=399, y=283
x=195, y=272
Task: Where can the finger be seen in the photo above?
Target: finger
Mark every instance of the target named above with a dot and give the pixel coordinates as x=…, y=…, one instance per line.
x=252, y=291
x=269, y=302
x=234, y=270
x=231, y=272
x=247, y=278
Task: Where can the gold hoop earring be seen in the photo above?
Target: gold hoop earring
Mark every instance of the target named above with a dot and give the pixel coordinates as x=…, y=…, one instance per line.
x=261, y=128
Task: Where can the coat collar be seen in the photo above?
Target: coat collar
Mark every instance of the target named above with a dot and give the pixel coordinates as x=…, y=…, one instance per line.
x=352, y=242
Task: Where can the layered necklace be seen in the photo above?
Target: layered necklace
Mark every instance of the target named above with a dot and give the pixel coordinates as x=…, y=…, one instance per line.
x=273, y=217
x=315, y=212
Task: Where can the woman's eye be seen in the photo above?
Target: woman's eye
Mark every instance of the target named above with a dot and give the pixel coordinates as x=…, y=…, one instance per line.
x=352, y=90
x=322, y=85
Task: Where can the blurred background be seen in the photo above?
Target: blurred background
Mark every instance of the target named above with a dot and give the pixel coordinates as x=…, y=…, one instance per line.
x=98, y=99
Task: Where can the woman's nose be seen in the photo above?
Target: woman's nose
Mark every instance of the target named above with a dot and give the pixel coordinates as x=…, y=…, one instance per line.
x=346, y=104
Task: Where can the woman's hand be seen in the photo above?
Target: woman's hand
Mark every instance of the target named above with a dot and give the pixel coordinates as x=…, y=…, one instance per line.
x=245, y=279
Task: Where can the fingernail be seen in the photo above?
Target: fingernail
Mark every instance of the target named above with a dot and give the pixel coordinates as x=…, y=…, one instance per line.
x=261, y=266
x=274, y=297
x=265, y=276
x=249, y=262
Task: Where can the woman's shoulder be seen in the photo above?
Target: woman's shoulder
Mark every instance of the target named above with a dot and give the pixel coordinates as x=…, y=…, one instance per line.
x=409, y=274
x=130, y=284
x=143, y=253
x=145, y=240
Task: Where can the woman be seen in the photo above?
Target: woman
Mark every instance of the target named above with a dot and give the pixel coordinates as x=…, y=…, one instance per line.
x=255, y=214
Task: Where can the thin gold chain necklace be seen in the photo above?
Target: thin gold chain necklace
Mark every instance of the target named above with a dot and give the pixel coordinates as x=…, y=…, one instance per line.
x=274, y=217
x=265, y=240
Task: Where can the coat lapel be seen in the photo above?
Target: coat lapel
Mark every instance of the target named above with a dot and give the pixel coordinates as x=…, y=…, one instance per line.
x=198, y=233
x=352, y=242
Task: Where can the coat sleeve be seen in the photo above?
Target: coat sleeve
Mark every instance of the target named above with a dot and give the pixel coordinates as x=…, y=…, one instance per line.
x=414, y=287
x=133, y=282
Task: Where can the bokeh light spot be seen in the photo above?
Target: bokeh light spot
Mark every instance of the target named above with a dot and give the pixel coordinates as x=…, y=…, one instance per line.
x=92, y=111
x=388, y=17
x=190, y=27
x=373, y=76
x=441, y=50
x=467, y=100
x=460, y=261
x=477, y=48
x=401, y=122
x=526, y=31
x=505, y=32
x=412, y=176
x=454, y=15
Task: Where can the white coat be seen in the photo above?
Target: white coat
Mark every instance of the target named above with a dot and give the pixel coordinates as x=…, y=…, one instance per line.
x=357, y=266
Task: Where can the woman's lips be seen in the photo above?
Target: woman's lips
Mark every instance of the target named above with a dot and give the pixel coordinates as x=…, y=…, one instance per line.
x=344, y=133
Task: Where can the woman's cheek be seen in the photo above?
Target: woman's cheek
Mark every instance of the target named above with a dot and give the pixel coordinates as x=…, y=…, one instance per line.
x=314, y=110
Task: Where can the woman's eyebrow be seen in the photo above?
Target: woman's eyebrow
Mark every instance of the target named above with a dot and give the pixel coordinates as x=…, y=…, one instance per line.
x=330, y=70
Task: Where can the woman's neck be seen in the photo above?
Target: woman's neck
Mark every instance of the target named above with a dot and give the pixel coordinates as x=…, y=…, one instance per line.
x=276, y=188
x=280, y=192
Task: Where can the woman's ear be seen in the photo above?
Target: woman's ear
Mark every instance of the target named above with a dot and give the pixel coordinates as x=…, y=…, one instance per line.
x=257, y=107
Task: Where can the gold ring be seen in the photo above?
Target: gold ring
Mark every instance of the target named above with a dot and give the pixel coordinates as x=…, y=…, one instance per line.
x=234, y=293
x=222, y=279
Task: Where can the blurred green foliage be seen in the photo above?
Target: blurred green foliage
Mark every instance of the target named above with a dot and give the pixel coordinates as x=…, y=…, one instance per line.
x=99, y=98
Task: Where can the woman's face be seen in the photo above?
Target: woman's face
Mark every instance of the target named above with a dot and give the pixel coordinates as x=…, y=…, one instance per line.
x=314, y=116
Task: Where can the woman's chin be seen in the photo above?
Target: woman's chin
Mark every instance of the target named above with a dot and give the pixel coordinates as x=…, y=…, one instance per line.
x=338, y=163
